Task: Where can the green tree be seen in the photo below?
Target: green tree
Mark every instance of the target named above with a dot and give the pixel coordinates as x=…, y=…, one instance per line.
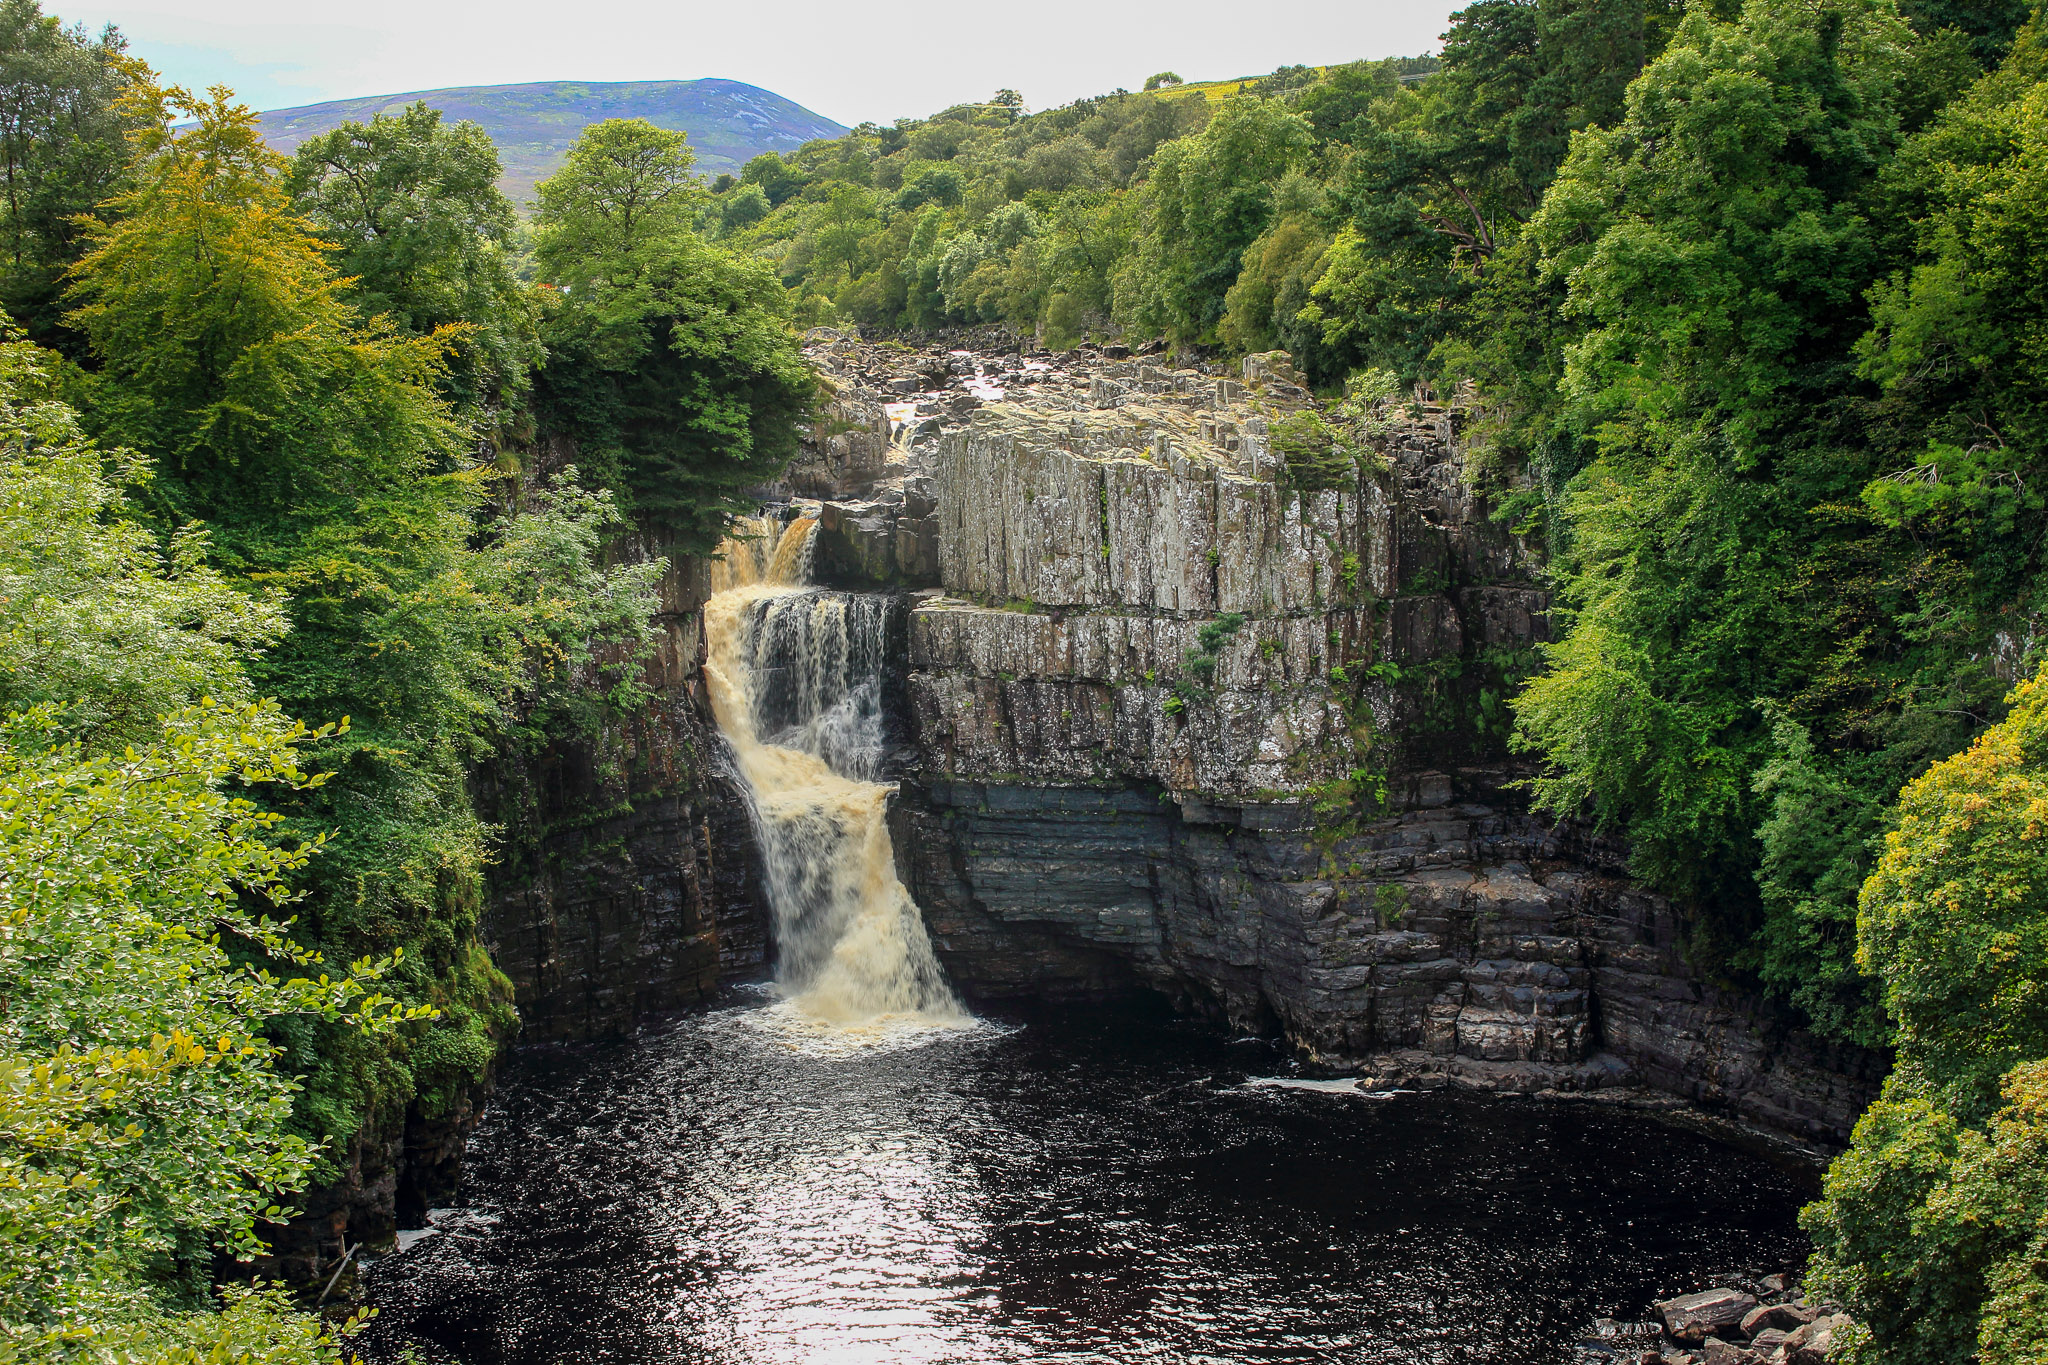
x=774, y=176
x=1211, y=196
x=226, y=350
x=680, y=380
x=63, y=150
x=423, y=231
x=625, y=184
x=672, y=363
x=1931, y=1227
x=1264, y=306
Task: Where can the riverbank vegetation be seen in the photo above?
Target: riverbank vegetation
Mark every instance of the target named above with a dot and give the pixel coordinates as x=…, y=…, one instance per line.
x=317, y=477
x=293, y=546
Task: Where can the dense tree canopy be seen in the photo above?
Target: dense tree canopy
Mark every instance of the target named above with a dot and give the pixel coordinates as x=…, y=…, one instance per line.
x=1935, y=1222
x=144, y=903
x=298, y=511
x=63, y=152
x=425, y=236
x=671, y=360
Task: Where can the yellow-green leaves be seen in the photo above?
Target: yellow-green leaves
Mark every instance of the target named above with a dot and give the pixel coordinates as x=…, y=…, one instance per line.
x=1954, y=920
x=139, y=1107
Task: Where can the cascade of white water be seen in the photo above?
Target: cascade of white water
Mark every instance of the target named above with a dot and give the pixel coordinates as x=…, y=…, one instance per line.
x=795, y=681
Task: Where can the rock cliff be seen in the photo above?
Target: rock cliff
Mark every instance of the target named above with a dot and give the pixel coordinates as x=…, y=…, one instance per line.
x=1179, y=724
x=628, y=883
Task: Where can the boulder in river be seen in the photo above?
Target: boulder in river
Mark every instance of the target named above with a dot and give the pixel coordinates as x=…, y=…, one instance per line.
x=1784, y=1317
x=1813, y=1343
x=1694, y=1317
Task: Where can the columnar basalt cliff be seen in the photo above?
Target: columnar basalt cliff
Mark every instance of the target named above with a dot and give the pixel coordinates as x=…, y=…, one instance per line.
x=1155, y=692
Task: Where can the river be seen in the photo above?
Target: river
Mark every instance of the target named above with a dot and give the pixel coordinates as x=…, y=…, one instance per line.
x=1069, y=1186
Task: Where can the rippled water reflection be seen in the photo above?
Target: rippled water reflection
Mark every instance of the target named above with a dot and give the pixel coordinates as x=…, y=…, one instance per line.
x=1089, y=1186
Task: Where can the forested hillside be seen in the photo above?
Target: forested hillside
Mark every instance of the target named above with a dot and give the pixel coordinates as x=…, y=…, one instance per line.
x=316, y=475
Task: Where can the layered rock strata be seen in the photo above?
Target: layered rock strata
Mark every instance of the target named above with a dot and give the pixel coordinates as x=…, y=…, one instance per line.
x=1180, y=725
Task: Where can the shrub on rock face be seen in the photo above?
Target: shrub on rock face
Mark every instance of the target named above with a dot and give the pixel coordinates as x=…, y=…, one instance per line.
x=1317, y=456
x=1933, y=1226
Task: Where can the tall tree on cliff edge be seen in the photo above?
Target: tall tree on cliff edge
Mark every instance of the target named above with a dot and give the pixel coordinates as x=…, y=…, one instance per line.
x=672, y=363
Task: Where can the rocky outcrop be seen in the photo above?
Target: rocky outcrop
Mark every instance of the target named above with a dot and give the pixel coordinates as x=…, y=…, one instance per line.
x=1181, y=725
x=1765, y=1321
x=627, y=884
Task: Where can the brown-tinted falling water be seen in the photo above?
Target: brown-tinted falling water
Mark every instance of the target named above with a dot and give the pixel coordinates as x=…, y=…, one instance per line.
x=845, y=1166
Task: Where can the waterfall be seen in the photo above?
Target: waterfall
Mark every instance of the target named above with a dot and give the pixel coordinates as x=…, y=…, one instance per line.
x=795, y=677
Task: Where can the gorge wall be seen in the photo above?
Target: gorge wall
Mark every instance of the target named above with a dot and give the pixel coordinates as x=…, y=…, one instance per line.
x=1162, y=724
x=629, y=884
x=1151, y=693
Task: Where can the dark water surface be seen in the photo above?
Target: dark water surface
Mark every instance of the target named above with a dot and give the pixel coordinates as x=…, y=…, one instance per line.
x=1091, y=1186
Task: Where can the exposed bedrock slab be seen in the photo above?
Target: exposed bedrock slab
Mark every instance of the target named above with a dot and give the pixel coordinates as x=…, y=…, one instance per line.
x=1092, y=697
x=1460, y=942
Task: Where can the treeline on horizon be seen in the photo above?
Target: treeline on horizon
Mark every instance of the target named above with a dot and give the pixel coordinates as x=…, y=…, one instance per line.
x=332, y=493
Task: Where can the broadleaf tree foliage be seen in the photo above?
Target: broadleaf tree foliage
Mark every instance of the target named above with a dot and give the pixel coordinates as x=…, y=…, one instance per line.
x=285, y=462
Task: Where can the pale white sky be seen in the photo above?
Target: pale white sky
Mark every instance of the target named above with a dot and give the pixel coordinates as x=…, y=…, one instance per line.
x=849, y=60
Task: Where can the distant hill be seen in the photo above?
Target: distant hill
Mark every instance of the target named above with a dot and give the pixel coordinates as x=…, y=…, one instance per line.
x=729, y=122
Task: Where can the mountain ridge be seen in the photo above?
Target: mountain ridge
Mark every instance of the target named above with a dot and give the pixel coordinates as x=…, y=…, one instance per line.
x=534, y=122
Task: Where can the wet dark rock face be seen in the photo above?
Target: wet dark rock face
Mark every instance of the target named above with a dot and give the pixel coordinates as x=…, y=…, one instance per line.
x=1459, y=945
x=629, y=884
